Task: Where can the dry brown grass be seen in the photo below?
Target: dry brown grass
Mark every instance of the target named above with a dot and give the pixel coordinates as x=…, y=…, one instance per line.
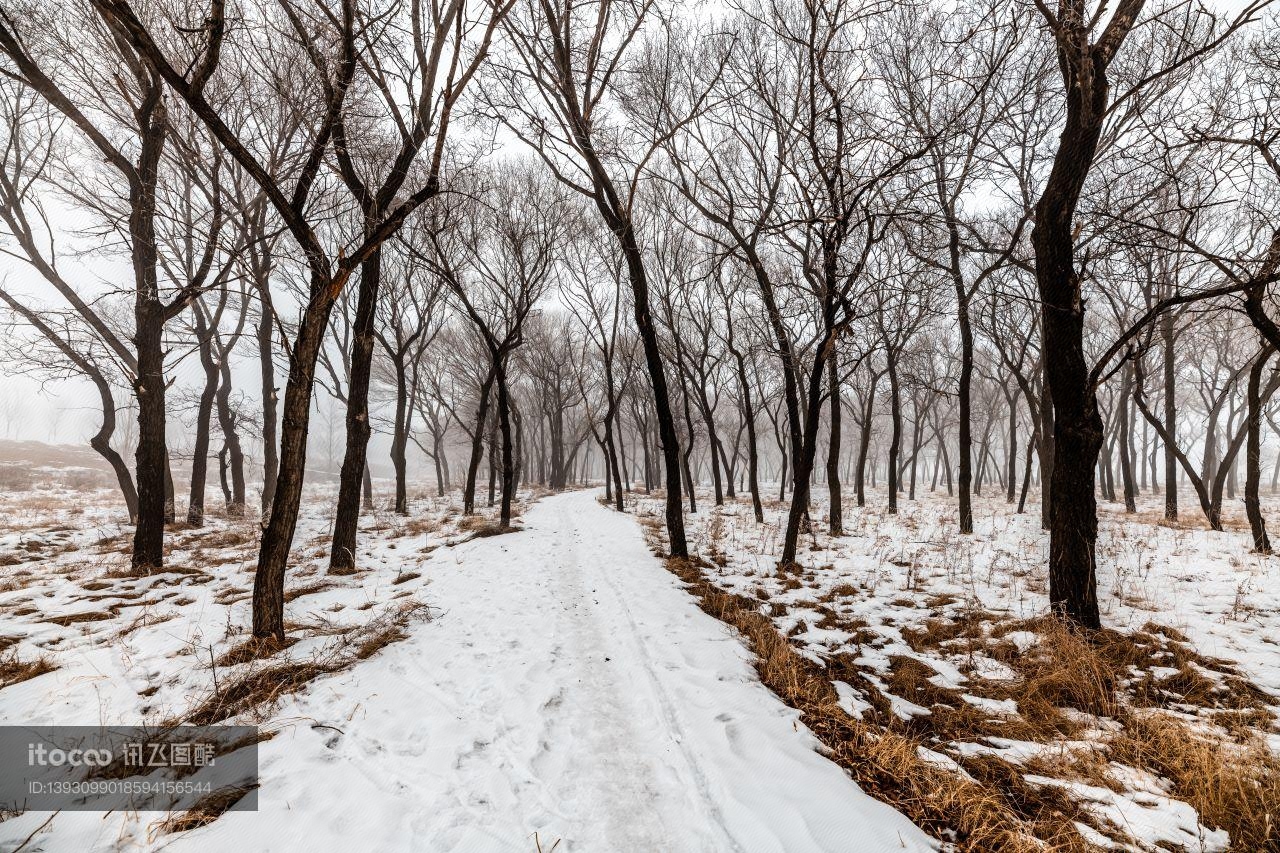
x=77, y=618
x=253, y=649
x=13, y=669
x=1233, y=787
x=308, y=589
x=210, y=808
x=232, y=536
x=1061, y=683
x=479, y=527
x=380, y=639
x=260, y=682
x=419, y=525
x=977, y=815
x=261, y=686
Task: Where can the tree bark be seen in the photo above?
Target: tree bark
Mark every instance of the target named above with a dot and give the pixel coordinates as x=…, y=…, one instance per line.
x=836, y=515
x=270, y=399
x=1252, y=504
x=342, y=552
x=273, y=555
x=895, y=431
x=508, y=459
x=204, y=415
x=1077, y=425
x=864, y=441
x=231, y=438
x=1125, y=439
x=151, y=458
x=753, y=458
x=477, y=444
x=400, y=435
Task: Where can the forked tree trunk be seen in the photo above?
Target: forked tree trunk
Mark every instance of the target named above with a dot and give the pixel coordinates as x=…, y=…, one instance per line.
x=231, y=440
x=802, y=481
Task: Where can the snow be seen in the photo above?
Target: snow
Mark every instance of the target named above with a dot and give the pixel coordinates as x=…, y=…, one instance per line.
x=889, y=575
x=567, y=690
x=1154, y=820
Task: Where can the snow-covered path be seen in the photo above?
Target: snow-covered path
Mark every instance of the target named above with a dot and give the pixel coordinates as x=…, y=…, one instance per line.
x=570, y=689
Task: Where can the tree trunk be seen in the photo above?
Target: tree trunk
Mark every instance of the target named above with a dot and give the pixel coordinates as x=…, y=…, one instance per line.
x=1077, y=424
x=151, y=458
x=342, y=551
x=266, y=366
x=836, y=514
x=204, y=415
x=864, y=440
x=1044, y=447
x=400, y=436
x=508, y=459
x=273, y=554
x=964, y=477
x=895, y=431
x=753, y=459
x=230, y=438
x=1124, y=440
x=802, y=480
x=1253, y=456
x=101, y=442
x=688, y=452
x=1012, y=485
x=477, y=444
x=677, y=544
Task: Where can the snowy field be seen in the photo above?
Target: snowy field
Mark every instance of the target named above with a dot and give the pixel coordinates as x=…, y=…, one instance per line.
x=552, y=688
x=558, y=688
x=943, y=639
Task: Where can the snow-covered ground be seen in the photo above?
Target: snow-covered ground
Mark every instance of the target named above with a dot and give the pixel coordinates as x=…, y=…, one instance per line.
x=933, y=632
x=562, y=692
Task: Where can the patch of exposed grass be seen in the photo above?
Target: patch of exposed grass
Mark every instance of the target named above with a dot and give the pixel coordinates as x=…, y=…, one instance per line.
x=308, y=589
x=207, y=810
x=261, y=681
x=977, y=816
x=1234, y=787
x=77, y=618
x=14, y=669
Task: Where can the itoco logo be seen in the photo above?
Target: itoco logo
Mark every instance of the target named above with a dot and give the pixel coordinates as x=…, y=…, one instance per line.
x=40, y=755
